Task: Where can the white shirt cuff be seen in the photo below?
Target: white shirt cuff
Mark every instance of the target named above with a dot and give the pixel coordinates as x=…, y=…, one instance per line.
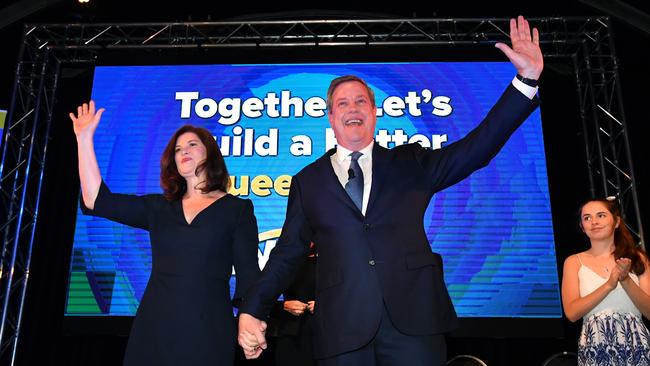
x=526, y=90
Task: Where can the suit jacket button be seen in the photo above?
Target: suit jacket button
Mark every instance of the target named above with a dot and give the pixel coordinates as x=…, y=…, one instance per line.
x=366, y=226
x=371, y=262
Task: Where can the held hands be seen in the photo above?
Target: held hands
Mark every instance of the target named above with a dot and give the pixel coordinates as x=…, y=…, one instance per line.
x=251, y=335
x=525, y=53
x=86, y=121
x=310, y=306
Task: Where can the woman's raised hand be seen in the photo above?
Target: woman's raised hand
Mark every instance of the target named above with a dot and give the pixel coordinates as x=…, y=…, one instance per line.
x=86, y=121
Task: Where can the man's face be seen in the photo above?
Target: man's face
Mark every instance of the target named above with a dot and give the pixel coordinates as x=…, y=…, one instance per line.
x=353, y=116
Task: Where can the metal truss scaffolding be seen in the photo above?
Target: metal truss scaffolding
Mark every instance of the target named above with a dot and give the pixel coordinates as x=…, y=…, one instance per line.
x=585, y=42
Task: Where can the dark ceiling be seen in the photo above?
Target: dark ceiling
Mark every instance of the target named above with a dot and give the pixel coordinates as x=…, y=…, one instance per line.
x=126, y=11
x=13, y=14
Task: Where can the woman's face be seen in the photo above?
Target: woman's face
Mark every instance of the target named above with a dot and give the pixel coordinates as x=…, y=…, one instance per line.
x=189, y=153
x=597, y=222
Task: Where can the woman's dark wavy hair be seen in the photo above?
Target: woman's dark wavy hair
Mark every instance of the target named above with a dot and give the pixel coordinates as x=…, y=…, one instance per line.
x=624, y=244
x=216, y=174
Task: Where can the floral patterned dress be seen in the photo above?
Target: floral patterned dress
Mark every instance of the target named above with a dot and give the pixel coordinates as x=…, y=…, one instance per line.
x=613, y=333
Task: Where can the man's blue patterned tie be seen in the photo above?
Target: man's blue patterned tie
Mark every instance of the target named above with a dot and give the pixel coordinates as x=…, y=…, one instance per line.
x=354, y=186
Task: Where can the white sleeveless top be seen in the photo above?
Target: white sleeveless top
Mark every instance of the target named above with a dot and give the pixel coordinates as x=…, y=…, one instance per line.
x=616, y=301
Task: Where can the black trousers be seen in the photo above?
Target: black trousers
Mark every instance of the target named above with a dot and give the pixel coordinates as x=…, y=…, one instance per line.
x=296, y=350
x=390, y=347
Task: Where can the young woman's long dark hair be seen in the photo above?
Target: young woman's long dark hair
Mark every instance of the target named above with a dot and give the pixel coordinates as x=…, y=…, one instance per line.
x=624, y=244
x=216, y=175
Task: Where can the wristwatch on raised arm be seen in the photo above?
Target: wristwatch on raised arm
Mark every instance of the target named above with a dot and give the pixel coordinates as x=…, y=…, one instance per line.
x=529, y=82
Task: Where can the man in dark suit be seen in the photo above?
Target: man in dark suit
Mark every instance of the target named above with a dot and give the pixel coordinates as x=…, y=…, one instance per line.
x=380, y=293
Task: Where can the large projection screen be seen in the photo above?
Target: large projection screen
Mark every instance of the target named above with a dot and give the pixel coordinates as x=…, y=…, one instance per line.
x=494, y=229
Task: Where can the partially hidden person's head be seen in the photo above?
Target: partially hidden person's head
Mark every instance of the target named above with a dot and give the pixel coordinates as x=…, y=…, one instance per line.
x=352, y=112
x=601, y=219
x=192, y=151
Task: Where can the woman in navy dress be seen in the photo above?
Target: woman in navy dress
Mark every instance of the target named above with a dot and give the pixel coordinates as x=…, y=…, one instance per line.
x=197, y=233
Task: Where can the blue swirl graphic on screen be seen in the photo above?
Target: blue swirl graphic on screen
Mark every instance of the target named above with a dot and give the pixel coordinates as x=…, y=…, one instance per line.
x=494, y=229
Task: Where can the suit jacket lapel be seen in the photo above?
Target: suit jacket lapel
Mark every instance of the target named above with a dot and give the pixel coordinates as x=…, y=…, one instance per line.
x=380, y=159
x=331, y=181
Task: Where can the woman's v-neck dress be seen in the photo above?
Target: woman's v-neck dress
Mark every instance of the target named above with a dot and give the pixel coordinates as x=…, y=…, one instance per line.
x=185, y=316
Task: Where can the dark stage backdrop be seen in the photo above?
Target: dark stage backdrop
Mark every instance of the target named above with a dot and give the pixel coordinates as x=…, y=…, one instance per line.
x=100, y=340
x=47, y=339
